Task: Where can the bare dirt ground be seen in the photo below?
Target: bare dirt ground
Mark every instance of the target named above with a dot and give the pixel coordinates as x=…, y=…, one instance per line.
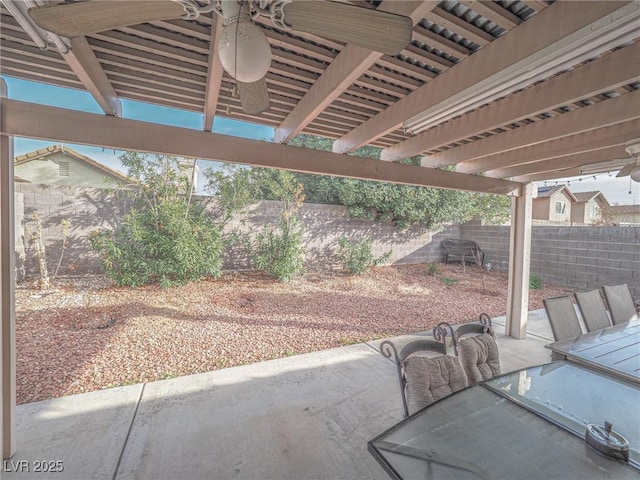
x=87, y=335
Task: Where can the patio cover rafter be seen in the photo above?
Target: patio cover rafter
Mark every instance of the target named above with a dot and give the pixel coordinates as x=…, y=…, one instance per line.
x=468, y=158
x=606, y=73
x=87, y=68
x=569, y=161
x=549, y=26
x=344, y=70
x=500, y=165
x=57, y=124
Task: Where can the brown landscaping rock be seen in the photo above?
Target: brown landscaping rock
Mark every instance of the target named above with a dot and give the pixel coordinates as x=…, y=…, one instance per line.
x=87, y=335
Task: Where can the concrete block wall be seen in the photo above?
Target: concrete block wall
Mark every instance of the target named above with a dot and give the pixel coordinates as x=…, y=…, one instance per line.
x=91, y=209
x=324, y=225
x=88, y=209
x=582, y=257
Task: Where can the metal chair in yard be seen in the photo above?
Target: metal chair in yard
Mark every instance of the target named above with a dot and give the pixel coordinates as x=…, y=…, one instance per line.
x=478, y=351
x=562, y=317
x=620, y=303
x=592, y=310
x=425, y=379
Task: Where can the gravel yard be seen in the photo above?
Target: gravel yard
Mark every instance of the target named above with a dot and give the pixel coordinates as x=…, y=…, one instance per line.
x=87, y=335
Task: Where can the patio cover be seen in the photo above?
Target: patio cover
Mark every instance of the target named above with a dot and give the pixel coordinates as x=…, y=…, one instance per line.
x=505, y=92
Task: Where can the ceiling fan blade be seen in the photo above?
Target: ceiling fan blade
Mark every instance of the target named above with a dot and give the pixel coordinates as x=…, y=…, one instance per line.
x=626, y=170
x=82, y=18
x=254, y=97
x=372, y=29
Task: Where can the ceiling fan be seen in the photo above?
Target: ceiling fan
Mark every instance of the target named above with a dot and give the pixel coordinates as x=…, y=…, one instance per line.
x=243, y=48
x=632, y=169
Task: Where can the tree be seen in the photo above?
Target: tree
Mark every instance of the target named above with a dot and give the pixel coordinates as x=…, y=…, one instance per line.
x=403, y=205
x=168, y=236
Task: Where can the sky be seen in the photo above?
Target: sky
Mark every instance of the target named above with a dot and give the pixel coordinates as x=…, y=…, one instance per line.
x=617, y=190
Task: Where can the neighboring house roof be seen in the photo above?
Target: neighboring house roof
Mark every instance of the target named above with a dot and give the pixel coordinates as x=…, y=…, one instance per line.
x=50, y=150
x=544, y=192
x=16, y=178
x=621, y=209
x=588, y=196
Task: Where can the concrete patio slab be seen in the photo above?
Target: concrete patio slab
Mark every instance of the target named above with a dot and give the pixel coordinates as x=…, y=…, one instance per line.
x=302, y=417
x=84, y=434
x=308, y=416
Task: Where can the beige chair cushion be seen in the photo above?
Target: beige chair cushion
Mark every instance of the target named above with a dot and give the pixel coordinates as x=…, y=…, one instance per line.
x=430, y=379
x=479, y=357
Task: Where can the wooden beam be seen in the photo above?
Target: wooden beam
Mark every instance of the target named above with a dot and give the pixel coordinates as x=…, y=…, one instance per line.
x=7, y=288
x=468, y=157
x=57, y=124
x=513, y=49
x=87, y=68
x=214, y=76
x=580, y=143
x=346, y=68
x=618, y=68
x=581, y=159
x=519, y=263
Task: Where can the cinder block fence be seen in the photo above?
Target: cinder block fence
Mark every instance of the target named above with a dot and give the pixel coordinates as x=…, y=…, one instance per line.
x=580, y=257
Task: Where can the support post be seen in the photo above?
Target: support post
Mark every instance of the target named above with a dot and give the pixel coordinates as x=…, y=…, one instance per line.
x=7, y=288
x=519, y=262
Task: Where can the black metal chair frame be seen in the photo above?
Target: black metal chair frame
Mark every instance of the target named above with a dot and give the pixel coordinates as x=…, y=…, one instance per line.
x=483, y=325
x=437, y=345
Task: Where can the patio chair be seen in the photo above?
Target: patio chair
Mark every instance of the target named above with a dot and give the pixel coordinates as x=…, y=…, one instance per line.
x=425, y=379
x=592, y=310
x=562, y=317
x=620, y=303
x=479, y=354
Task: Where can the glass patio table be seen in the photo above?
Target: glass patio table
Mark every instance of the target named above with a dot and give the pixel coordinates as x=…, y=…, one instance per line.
x=525, y=424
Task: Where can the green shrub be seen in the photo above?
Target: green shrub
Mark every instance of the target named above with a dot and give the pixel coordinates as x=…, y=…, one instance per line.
x=535, y=282
x=448, y=281
x=356, y=255
x=280, y=253
x=433, y=268
x=168, y=236
x=173, y=251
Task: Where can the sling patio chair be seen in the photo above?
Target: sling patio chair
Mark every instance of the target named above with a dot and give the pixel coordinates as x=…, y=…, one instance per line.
x=425, y=379
x=562, y=317
x=592, y=310
x=620, y=303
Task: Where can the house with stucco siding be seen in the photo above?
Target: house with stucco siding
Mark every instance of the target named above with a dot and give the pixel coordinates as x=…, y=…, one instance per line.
x=553, y=204
x=588, y=207
x=61, y=165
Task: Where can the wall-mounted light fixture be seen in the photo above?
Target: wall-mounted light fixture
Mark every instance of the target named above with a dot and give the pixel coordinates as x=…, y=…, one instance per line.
x=616, y=29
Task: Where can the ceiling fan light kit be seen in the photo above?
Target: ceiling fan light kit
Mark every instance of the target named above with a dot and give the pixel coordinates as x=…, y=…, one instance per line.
x=244, y=51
